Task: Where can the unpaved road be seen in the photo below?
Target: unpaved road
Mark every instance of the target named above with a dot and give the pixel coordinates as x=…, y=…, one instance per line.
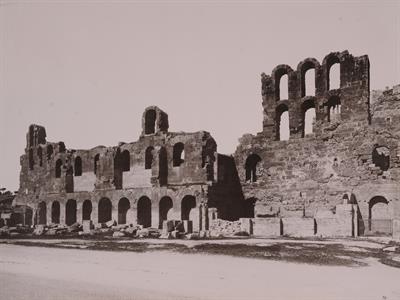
x=51, y=273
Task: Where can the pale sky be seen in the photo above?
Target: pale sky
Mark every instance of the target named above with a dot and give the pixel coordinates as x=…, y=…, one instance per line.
x=86, y=70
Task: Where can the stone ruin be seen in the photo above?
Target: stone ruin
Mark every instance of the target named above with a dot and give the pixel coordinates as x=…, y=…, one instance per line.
x=341, y=179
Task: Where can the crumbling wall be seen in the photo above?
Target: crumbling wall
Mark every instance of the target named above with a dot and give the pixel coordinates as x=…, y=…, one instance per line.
x=358, y=149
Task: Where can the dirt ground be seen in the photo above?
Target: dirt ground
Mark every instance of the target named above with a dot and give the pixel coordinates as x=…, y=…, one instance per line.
x=205, y=269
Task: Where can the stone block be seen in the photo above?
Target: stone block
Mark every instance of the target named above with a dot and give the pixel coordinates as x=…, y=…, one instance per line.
x=298, y=227
x=267, y=227
x=168, y=226
x=246, y=225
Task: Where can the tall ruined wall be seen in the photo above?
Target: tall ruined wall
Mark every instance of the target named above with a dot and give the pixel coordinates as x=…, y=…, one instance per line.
x=173, y=173
x=351, y=158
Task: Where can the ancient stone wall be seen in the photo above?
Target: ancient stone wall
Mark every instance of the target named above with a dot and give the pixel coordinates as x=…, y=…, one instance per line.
x=353, y=157
x=164, y=175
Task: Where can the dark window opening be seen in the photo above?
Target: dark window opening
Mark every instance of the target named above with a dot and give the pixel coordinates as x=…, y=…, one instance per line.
x=144, y=212
x=188, y=203
x=49, y=151
x=164, y=207
x=148, y=160
x=55, y=212
x=123, y=207
x=42, y=214
x=58, y=168
x=69, y=180
x=61, y=147
x=251, y=167
x=150, y=122
x=70, y=212
x=78, y=166
x=86, y=210
x=381, y=157
x=96, y=163
x=178, y=154
x=125, y=161
x=163, y=167
x=105, y=208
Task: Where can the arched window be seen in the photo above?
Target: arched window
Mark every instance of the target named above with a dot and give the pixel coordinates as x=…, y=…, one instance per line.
x=69, y=180
x=125, y=161
x=86, y=210
x=78, y=166
x=55, y=212
x=61, y=147
x=334, y=109
x=70, y=212
x=123, y=207
x=284, y=87
x=178, y=154
x=104, y=210
x=333, y=73
x=381, y=157
x=164, y=207
x=40, y=155
x=42, y=213
x=144, y=212
x=49, y=151
x=150, y=122
x=31, y=161
x=309, y=115
x=188, y=203
x=58, y=168
x=309, y=84
x=251, y=167
x=148, y=160
x=163, y=167
x=96, y=163
x=282, y=123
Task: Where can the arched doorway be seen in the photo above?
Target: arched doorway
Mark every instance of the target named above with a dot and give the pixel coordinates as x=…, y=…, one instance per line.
x=188, y=203
x=379, y=217
x=70, y=212
x=105, y=208
x=42, y=213
x=164, y=206
x=86, y=210
x=144, y=212
x=123, y=207
x=55, y=212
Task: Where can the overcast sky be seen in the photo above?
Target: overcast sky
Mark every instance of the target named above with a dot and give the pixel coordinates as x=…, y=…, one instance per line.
x=86, y=70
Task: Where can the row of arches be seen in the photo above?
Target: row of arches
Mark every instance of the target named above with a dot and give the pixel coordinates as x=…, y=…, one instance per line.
x=283, y=75
x=104, y=210
x=308, y=111
x=122, y=160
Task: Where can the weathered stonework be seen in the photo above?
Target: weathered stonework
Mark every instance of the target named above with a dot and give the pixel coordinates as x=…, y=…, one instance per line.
x=352, y=156
x=343, y=179
x=163, y=175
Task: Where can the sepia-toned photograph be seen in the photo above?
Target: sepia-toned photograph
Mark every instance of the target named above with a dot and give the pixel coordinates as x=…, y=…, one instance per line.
x=199, y=150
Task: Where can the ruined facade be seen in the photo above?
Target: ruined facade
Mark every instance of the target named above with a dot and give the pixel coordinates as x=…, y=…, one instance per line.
x=163, y=175
x=351, y=157
x=343, y=178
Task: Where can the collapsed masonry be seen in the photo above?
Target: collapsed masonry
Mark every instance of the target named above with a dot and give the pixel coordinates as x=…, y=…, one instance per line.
x=342, y=179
